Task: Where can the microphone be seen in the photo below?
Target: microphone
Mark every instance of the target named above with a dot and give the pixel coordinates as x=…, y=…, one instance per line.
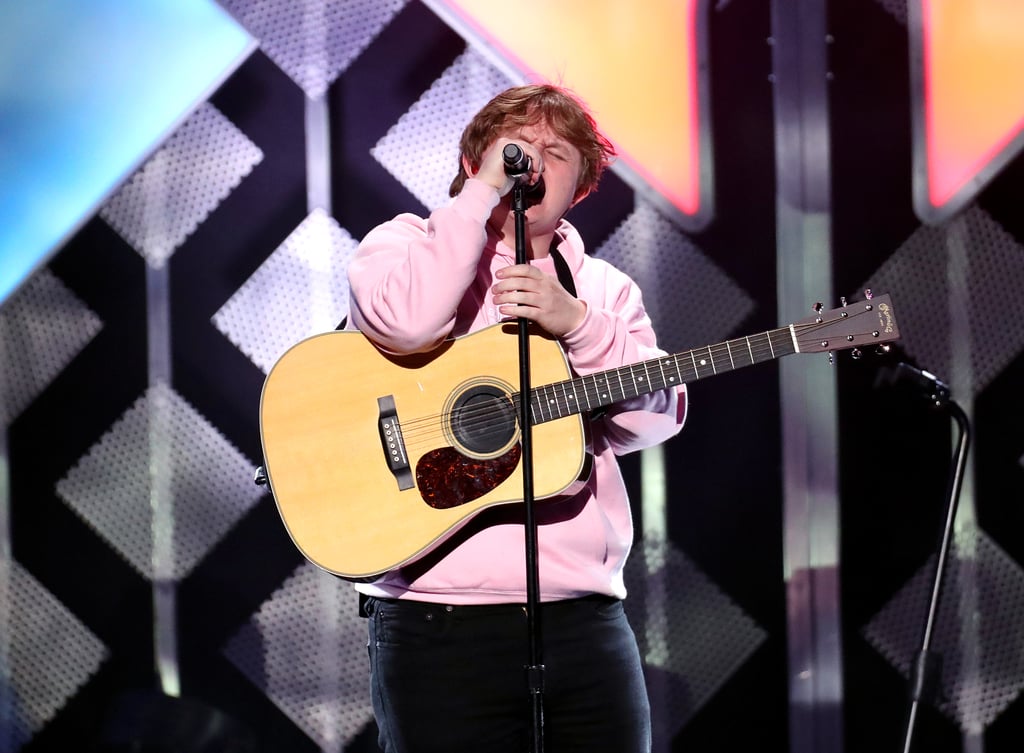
x=927, y=383
x=517, y=164
x=517, y=169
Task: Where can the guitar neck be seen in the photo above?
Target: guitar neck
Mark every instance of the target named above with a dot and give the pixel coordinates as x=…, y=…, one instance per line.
x=593, y=391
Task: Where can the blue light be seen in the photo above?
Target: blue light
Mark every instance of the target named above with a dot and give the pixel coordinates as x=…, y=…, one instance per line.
x=87, y=92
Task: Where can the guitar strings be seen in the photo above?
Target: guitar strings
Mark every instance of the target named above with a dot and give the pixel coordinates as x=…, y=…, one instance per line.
x=430, y=430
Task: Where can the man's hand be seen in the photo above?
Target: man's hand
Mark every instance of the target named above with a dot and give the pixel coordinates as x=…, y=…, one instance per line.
x=523, y=290
x=492, y=165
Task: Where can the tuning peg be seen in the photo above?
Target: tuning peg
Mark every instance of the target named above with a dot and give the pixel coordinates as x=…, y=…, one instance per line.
x=856, y=354
x=882, y=350
x=842, y=301
x=868, y=295
x=831, y=358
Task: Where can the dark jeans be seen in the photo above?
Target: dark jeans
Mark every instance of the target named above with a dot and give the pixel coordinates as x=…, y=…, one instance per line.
x=452, y=678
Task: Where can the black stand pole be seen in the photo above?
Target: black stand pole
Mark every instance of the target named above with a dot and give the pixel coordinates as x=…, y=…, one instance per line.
x=535, y=668
x=925, y=669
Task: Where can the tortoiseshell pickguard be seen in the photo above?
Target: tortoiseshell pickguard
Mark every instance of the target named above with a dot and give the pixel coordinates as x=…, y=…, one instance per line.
x=446, y=478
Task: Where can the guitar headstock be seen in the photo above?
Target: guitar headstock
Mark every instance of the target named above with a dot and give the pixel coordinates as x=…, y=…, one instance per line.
x=869, y=322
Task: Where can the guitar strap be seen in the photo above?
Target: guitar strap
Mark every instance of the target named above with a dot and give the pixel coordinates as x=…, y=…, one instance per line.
x=562, y=266
x=565, y=277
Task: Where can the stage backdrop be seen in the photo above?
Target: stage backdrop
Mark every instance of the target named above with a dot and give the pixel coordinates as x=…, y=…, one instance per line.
x=151, y=592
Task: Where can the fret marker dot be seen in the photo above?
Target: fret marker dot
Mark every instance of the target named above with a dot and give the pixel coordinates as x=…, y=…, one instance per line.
x=703, y=362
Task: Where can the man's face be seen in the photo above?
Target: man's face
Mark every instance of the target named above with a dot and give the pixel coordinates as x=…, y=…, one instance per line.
x=562, y=162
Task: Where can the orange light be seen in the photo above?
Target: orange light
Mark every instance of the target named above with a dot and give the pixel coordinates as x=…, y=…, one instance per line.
x=635, y=65
x=973, y=69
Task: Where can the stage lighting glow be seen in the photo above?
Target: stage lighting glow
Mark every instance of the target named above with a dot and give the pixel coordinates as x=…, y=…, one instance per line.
x=969, y=114
x=88, y=91
x=637, y=65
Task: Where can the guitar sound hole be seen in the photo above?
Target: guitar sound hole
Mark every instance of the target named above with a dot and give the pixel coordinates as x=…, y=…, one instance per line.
x=483, y=420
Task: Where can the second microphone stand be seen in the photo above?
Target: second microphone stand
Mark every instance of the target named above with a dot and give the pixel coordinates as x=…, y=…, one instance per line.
x=535, y=667
x=926, y=665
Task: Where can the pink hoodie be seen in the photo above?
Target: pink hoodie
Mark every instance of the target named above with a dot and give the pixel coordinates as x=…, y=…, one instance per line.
x=416, y=282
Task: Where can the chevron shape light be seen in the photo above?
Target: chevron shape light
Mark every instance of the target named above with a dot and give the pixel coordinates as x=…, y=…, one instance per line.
x=967, y=65
x=639, y=67
x=89, y=91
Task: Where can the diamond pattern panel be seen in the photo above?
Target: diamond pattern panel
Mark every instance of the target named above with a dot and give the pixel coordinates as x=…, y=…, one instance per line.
x=181, y=184
x=433, y=126
x=306, y=649
x=995, y=609
x=161, y=453
x=42, y=328
x=302, y=289
x=313, y=41
x=692, y=637
x=690, y=300
x=953, y=274
x=51, y=656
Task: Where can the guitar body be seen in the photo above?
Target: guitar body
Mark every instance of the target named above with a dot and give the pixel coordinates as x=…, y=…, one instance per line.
x=363, y=454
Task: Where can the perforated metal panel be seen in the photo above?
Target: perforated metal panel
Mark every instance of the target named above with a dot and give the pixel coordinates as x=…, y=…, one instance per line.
x=161, y=444
x=51, y=653
x=692, y=637
x=301, y=289
x=306, y=649
x=955, y=291
x=433, y=125
x=181, y=184
x=42, y=328
x=313, y=40
x=985, y=587
x=690, y=300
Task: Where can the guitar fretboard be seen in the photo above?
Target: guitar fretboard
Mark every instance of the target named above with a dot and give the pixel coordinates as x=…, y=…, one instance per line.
x=585, y=393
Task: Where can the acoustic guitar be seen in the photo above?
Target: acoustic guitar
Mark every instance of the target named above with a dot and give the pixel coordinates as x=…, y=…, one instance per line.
x=376, y=459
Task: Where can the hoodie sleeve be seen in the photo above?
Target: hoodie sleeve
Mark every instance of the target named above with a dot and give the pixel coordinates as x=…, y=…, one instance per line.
x=619, y=333
x=409, y=274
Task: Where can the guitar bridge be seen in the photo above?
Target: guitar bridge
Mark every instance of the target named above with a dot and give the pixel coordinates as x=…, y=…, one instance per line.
x=392, y=443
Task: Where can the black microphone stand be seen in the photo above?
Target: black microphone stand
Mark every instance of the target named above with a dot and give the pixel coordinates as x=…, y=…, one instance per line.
x=927, y=664
x=535, y=667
